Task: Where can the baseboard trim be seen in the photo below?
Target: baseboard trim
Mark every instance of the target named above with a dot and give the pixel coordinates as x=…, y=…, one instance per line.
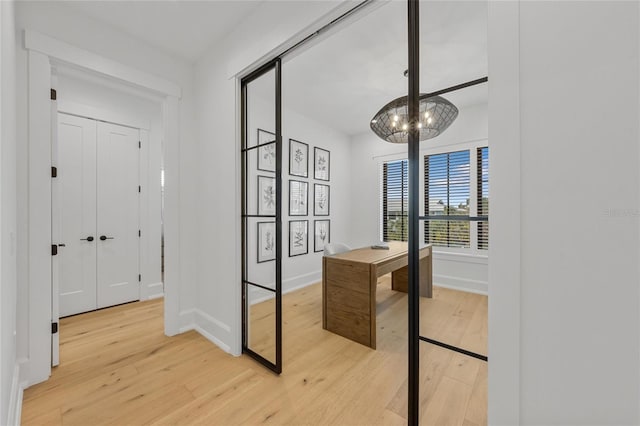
x=462, y=284
x=207, y=326
x=300, y=281
x=152, y=291
x=15, y=399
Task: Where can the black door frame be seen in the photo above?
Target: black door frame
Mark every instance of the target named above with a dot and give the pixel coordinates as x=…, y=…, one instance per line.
x=273, y=65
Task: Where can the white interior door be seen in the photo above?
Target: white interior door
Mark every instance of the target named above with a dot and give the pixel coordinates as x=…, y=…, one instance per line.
x=117, y=215
x=75, y=204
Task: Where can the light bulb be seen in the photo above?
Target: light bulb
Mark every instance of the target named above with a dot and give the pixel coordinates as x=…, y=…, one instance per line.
x=395, y=118
x=393, y=124
x=429, y=120
x=374, y=121
x=419, y=125
x=404, y=126
x=426, y=114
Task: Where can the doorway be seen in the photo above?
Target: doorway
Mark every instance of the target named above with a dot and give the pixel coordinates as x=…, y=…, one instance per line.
x=96, y=214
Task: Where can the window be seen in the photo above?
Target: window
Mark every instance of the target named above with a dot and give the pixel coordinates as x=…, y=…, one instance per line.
x=455, y=188
x=447, y=183
x=483, y=196
x=395, y=204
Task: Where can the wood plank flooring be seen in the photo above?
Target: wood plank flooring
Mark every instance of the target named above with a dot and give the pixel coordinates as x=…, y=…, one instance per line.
x=118, y=368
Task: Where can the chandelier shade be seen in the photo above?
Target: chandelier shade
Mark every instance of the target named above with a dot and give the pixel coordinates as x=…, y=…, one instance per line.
x=391, y=123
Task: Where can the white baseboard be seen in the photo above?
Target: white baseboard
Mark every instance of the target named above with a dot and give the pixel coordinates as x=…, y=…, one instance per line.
x=296, y=283
x=293, y=284
x=462, y=284
x=15, y=399
x=155, y=290
x=209, y=327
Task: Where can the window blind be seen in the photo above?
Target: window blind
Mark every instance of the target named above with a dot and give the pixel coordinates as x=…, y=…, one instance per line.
x=483, y=196
x=447, y=182
x=395, y=200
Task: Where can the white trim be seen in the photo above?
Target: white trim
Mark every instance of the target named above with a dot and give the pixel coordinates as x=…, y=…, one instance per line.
x=203, y=323
x=39, y=217
x=301, y=281
x=462, y=284
x=99, y=114
x=304, y=280
x=15, y=398
x=236, y=343
x=153, y=291
x=69, y=54
x=37, y=366
x=505, y=231
x=460, y=257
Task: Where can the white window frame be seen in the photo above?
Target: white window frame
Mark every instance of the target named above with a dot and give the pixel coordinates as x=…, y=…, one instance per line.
x=471, y=146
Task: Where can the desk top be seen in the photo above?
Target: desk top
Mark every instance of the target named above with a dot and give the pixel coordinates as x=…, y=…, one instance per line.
x=369, y=255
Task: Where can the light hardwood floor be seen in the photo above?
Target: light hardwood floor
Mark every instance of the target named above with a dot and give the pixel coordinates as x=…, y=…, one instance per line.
x=118, y=368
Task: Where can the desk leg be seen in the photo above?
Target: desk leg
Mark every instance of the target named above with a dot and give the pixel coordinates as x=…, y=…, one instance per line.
x=373, y=289
x=426, y=276
x=324, y=292
x=400, y=278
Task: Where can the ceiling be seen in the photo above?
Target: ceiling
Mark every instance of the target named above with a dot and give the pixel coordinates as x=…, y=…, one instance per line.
x=185, y=29
x=346, y=78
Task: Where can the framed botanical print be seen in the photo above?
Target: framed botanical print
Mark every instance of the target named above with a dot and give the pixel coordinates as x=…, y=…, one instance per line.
x=298, y=237
x=321, y=234
x=321, y=164
x=298, y=198
x=320, y=199
x=266, y=153
x=266, y=195
x=266, y=241
x=298, y=158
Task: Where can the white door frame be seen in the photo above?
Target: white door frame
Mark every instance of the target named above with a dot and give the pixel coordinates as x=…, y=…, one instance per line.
x=43, y=52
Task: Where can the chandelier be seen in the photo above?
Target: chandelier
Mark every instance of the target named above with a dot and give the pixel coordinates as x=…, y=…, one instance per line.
x=391, y=123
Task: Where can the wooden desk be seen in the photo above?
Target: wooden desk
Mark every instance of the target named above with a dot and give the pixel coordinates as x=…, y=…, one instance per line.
x=349, y=282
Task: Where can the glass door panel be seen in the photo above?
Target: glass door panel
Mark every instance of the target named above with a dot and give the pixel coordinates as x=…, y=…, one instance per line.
x=261, y=216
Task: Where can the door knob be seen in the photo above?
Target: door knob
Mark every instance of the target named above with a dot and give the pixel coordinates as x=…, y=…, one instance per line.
x=104, y=237
x=89, y=238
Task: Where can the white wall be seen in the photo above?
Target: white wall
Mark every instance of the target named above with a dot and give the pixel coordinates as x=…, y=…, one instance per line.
x=302, y=270
x=8, y=286
x=55, y=20
x=564, y=300
x=217, y=108
x=98, y=99
x=463, y=271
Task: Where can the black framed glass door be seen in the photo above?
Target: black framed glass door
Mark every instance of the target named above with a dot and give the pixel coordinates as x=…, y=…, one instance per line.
x=261, y=156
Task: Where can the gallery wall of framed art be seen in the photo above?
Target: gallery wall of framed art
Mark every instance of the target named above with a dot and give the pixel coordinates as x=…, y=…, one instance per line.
x=312, y=153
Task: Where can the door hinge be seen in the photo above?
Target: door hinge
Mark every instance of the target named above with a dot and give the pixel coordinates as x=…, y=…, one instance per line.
x=139, y=278
x=54, y=327
x=54, y=94
x=139, y=233
x=54, y=172
x=54, y=249
x=139, y=189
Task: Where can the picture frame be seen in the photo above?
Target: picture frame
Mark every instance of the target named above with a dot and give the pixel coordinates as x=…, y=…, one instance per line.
x=321, y=234
x=298, y=237
x=266, y=153
x=266, y=195
x=321, y=164
x=266, y=243
x=321, y=199
x=298, y=158
x=298, y=198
